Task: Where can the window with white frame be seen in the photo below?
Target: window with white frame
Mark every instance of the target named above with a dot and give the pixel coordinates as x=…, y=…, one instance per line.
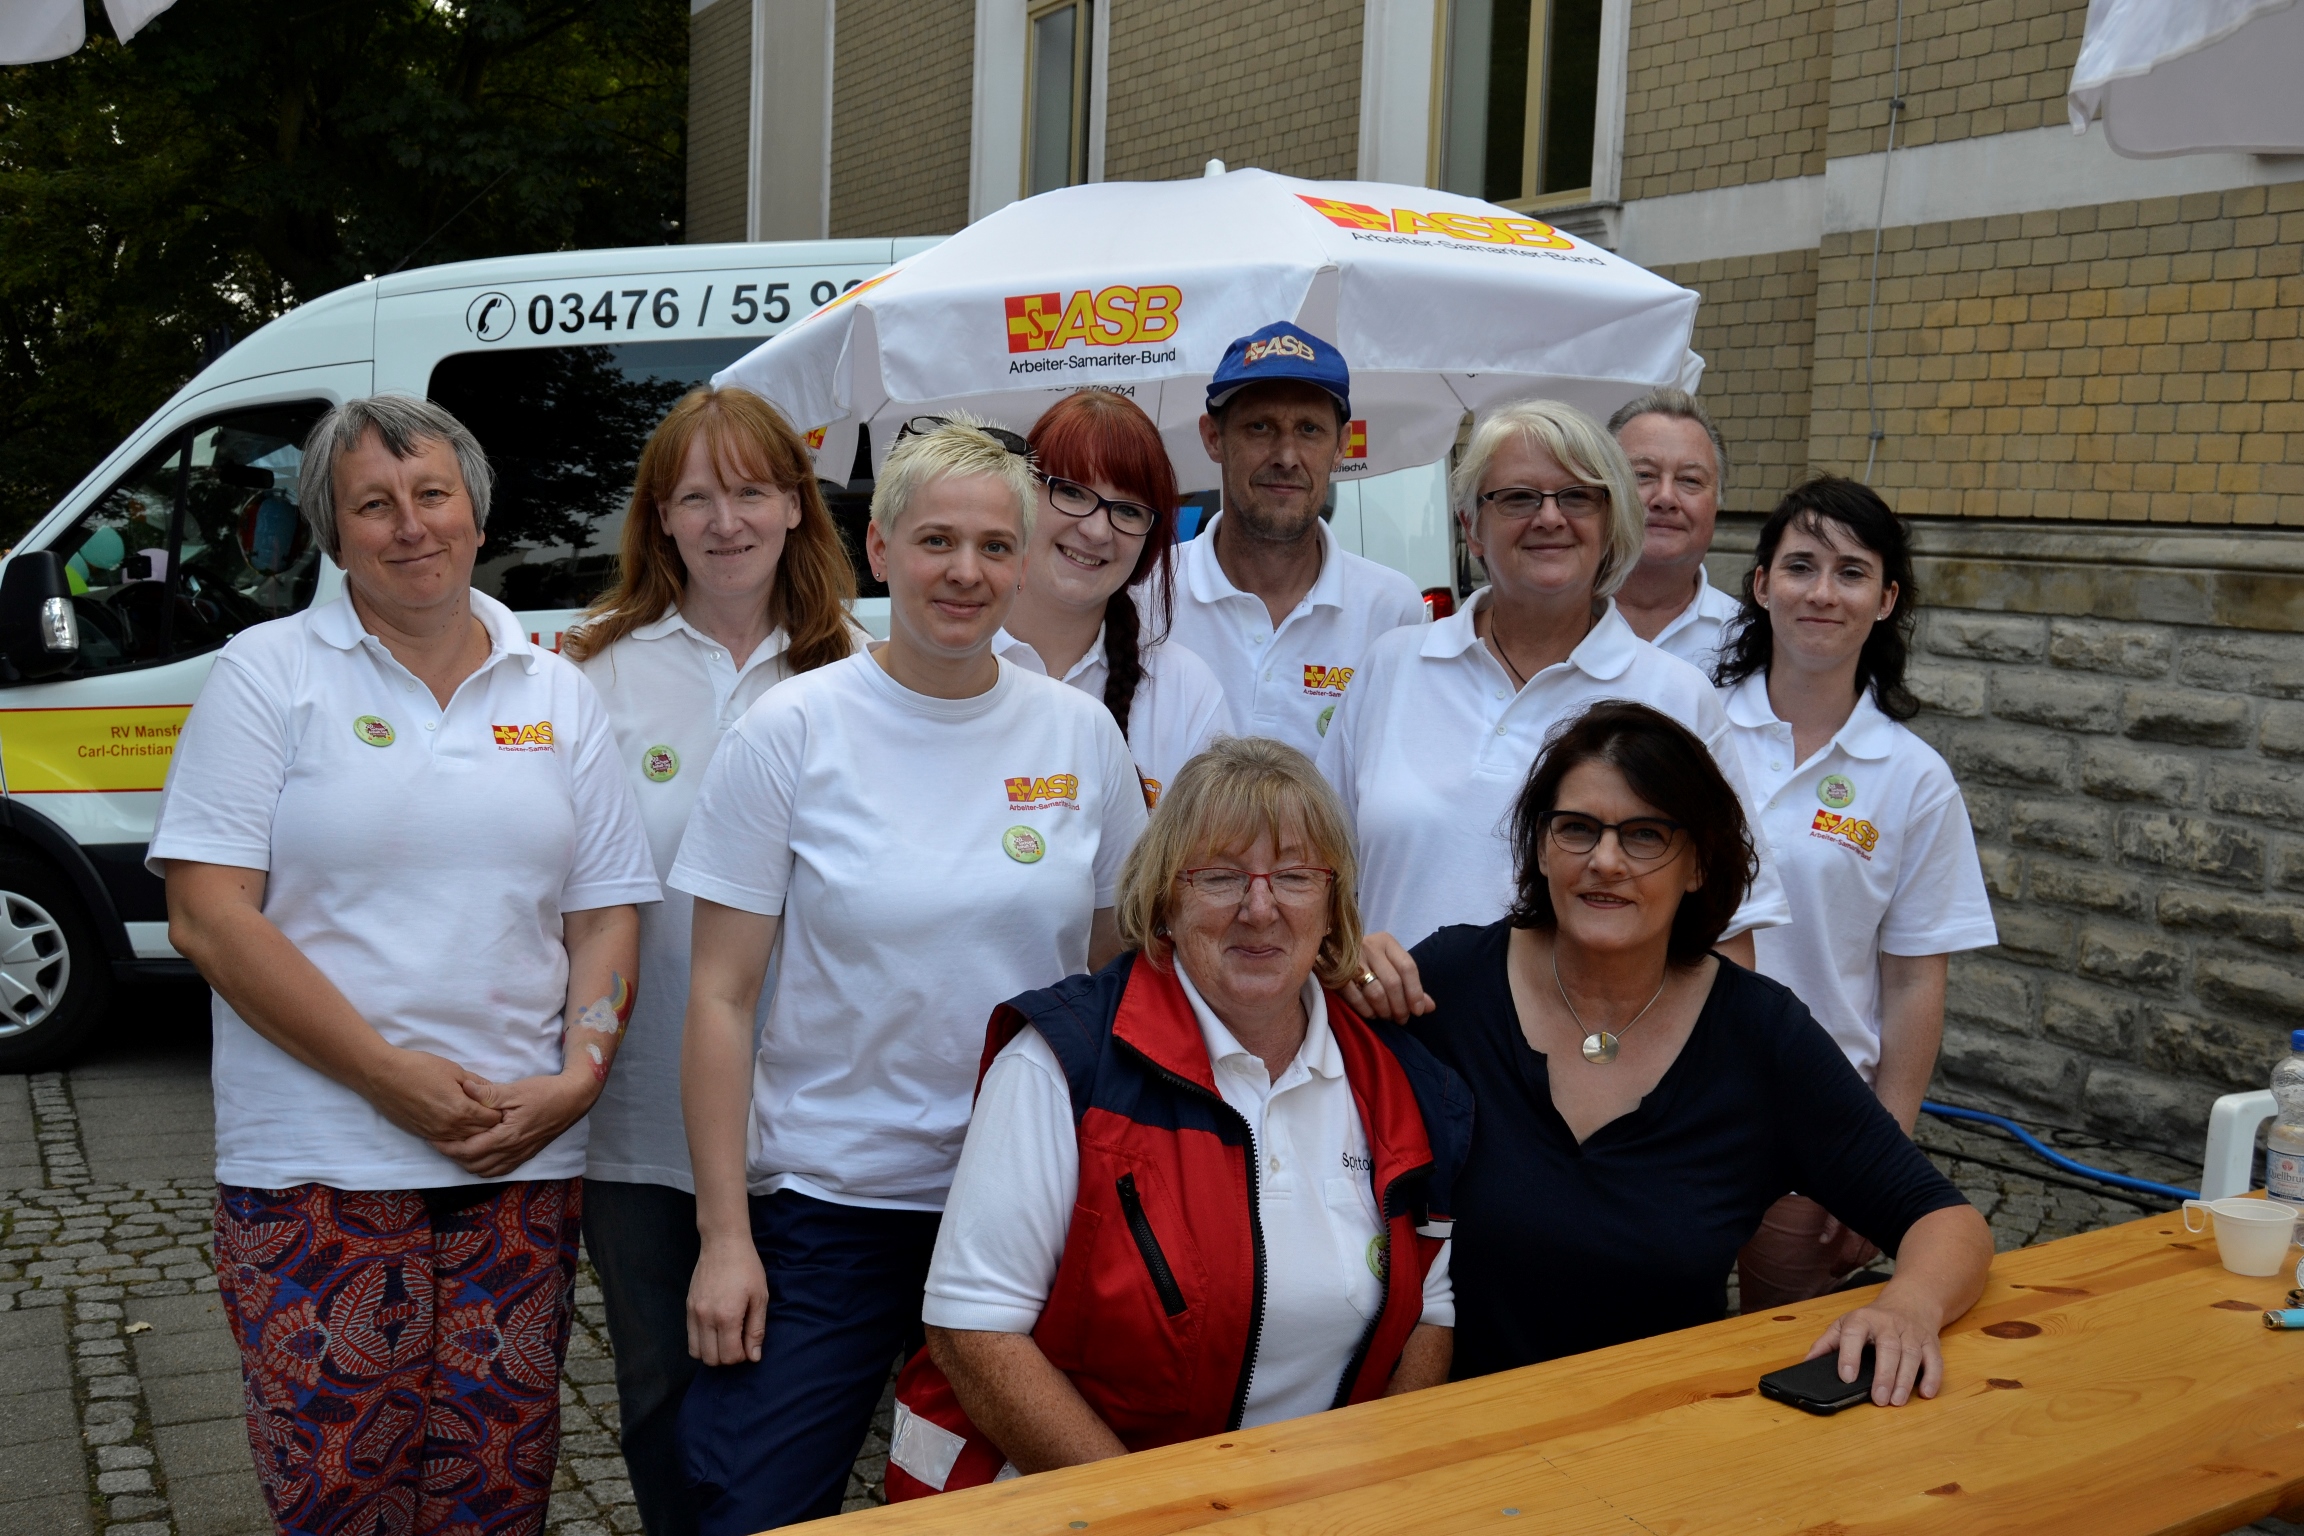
x=1520, y=86
x=1061, y=43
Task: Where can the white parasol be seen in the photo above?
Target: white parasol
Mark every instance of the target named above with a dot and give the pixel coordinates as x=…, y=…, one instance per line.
x=1441, y=304
x=34, y=31
x=2193, y=77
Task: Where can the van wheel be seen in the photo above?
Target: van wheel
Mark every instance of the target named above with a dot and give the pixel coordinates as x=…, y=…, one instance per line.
x=54, y=976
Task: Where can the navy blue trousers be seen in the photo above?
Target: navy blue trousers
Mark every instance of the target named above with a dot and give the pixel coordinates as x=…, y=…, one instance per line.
x=770, y=1443
x=642, y=1242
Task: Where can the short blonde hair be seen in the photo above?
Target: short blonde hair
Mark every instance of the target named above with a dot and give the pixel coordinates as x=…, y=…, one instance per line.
x=1585, y=450
x=956, y=450
x=1241, y=787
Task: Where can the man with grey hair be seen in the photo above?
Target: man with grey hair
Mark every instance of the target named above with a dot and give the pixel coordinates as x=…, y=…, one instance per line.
x=1680, y=464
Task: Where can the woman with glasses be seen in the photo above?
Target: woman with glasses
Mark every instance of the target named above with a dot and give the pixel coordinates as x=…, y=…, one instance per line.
x=1099, y=584
x=1876, y=849
x=1199, y=1192
x=1438, y=732
x=1643, y=1101
x=917, y=832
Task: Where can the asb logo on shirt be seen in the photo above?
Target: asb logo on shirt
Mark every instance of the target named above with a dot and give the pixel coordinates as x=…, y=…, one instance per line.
x=1329, y=682
x=1044, y=792
x=1847, y=831
x=1102, y=317
x=524, y=738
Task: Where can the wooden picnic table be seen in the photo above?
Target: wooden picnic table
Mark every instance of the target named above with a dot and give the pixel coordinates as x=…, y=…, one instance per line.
x=2119, y=1381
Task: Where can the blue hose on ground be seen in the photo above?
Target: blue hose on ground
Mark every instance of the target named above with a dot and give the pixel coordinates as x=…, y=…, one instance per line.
x=2101, y=1176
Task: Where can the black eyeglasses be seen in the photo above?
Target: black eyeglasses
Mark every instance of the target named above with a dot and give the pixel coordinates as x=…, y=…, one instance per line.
x=1073, y=499
x=1527, y=501
x=921, y=426
x=1644, y=839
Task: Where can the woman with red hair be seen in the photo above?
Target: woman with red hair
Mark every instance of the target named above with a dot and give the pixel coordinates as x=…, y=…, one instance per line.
x=1099, y=583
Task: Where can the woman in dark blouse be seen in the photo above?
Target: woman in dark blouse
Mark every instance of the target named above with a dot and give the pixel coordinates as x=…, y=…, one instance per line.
x=1642, y=1101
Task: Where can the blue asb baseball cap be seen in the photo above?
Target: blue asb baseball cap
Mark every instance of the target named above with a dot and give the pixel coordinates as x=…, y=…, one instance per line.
x=1281, y=351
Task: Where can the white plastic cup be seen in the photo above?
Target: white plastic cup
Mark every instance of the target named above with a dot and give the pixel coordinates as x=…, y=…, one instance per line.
x=2252, y=1236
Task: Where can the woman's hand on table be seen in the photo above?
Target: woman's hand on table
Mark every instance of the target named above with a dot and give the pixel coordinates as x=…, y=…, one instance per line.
x=1906, y=1350
x=529, y=1112
x=1396, y=992
x=727, y=1302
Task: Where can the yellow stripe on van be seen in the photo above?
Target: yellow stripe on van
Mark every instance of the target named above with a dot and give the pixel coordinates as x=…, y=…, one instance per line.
x=75, y=751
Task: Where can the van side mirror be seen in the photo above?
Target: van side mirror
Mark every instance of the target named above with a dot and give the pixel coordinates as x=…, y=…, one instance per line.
x=39, y=632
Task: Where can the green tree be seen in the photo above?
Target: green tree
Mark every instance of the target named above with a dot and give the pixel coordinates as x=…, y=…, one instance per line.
x=243, y=156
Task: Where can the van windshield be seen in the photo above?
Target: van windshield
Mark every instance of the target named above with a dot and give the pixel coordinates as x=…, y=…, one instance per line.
x=564, y=427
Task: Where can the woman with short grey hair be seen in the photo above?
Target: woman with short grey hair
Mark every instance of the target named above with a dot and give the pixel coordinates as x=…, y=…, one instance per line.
x=1442, y=725
x=399, y=847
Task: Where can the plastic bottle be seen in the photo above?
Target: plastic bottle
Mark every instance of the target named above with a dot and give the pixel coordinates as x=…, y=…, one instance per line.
x=2284, y=1147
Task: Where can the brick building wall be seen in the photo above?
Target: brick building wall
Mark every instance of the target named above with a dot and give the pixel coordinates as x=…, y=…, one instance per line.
x=1267, y=83
x=902, y=83
x=1718, y=95
x=1972, y=68
x=1756, y=332
x=2135, y=361
x=719, y=119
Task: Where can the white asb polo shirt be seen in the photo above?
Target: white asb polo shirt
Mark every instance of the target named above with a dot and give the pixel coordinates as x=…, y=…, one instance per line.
x=1177, y=711
x=931, y=858
x=1434, y=747
x=1003, y=1233
x=1695, y=633
x=670, y=690
x=1285, y=683
x=1873, y=842
x=421, y=857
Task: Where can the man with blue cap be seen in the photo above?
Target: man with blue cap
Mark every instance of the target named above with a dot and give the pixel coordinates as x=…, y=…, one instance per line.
x=1266, y=597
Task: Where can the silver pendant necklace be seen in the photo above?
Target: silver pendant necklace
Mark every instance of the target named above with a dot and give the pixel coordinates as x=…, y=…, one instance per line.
x=1600, y=1044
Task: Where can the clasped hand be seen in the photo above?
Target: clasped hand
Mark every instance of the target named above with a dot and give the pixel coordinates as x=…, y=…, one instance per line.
x=486, y=1128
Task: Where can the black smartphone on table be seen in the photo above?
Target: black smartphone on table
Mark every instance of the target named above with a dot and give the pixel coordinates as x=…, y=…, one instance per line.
x=1814, y=1386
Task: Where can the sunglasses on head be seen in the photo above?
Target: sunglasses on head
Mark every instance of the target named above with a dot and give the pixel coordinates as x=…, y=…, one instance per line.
x=921, y=426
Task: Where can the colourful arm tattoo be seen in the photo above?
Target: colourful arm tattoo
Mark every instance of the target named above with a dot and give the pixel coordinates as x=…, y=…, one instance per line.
x=606, y=1016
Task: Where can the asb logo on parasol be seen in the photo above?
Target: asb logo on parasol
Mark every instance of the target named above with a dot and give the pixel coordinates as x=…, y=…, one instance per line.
x=1114, y=319
x=1464, y=231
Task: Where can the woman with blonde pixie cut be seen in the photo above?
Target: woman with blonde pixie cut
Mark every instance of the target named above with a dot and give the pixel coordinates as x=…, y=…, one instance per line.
x=731, y=580
x=1199, y=1192
x=924, y=829
x=1443, y=724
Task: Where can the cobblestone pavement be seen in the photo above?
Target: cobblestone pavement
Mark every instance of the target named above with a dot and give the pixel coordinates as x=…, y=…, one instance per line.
x=119, y=1386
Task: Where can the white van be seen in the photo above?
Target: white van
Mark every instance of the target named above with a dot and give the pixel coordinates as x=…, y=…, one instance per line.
x=561, y=364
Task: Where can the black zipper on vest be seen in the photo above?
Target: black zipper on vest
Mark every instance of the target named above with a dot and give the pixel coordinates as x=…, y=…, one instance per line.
x=1255, y=1232
x=1352, y=1367
x=1148, y=1244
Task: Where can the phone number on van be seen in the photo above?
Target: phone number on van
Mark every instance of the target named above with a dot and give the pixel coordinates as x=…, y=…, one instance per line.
x=494, y=315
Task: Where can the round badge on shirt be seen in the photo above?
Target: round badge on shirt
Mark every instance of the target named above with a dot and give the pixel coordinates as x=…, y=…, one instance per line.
x=374, y=730
x=1024, y=845
x=1380, y=1254
x=1326, y=715
x=659, y=763
x=1837, y=791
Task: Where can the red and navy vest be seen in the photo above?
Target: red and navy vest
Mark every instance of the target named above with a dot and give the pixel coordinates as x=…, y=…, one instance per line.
x=1158, y=1303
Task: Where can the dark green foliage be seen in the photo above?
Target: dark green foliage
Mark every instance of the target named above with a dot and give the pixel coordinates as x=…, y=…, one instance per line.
x=242, y=156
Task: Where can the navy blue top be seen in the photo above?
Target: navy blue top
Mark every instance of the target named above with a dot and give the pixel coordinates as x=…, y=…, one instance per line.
x=1562, y=1248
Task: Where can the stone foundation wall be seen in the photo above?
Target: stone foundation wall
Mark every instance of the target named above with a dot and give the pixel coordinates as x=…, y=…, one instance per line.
x=2125, y=714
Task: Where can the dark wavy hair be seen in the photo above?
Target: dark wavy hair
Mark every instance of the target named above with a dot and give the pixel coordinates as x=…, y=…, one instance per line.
x=1856, y=510
x=1099, y=435
x=1664, y=764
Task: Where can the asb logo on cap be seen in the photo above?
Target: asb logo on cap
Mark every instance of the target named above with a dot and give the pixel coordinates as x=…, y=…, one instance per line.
x=1103, y=317
x=1481, y=228
x=1278, y=346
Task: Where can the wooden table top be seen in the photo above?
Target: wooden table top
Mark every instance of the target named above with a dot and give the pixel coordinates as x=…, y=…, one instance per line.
x=2119, y=1381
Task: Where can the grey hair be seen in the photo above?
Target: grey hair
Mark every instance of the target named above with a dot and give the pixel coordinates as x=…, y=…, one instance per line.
x=1682, y=406
x=1582, y=449
x=405, y=424
x=956, y=450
